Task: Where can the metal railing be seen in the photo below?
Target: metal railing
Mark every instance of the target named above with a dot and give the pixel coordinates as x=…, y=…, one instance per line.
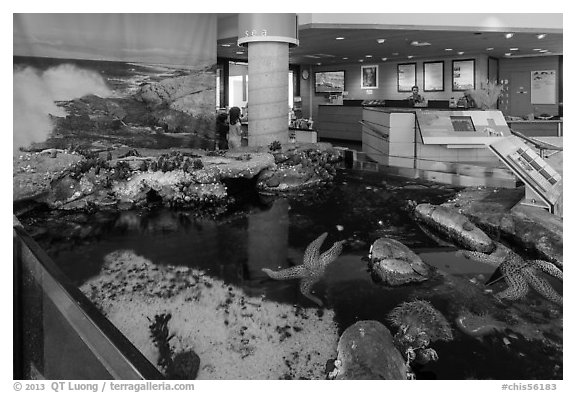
x=58, y=332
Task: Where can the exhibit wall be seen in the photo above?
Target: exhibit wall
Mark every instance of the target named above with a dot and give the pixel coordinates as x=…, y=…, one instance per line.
x=144, y=80
x=388, y=80
x=522, y=77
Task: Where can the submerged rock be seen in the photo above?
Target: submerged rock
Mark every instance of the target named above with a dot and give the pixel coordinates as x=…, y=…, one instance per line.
x=475, y=325
x=395, y=264
x=456, y=226
x=185, y=365
x=366, y=351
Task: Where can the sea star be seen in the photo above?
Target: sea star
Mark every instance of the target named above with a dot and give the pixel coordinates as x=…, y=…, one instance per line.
x=519, y=275
x=312, y=269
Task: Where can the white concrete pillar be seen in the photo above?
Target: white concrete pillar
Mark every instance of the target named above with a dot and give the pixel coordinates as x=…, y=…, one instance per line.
x=267, y=93
x=268, y=38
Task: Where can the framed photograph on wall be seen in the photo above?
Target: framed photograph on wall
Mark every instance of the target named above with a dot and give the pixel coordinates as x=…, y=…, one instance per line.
x=369, y=77
x=463, y=75
x=406, y=76
x=434, y=76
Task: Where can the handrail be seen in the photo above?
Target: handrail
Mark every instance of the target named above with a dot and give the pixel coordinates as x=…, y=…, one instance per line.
x=115, y=353
x=372, y=128
x=540, y=145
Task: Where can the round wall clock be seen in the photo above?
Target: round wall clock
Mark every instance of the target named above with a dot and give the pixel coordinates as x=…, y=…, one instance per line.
x=305, y=74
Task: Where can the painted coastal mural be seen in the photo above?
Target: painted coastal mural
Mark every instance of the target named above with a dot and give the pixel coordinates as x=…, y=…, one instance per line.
x=142, y=80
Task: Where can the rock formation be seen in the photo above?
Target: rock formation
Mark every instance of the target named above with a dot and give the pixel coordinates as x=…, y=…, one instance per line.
x=395, y=264
x=366, y=351
x=454, y=225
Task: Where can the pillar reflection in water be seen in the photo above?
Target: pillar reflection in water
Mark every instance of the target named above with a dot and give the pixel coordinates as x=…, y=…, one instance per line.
x=268, y=239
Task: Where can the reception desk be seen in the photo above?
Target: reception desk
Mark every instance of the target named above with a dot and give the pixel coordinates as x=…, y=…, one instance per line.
x=447, y=142
x=537, y=127
x=339, y=122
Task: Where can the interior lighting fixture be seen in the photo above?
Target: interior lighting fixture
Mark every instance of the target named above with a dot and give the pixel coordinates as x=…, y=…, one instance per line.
x=420, y=43
x=489, y=48
x=226, y=45
x=361, y=60
x=339, y=38
x=460, y=53
x=540, y=36
x=537, y=49
x=368, y=56
x=381, y=40
x=448, y=49
x=344, y=58
x=384, y=58
x=513, y=49
x=239, y=53
x=543, y=51
x=507, y=54
x=509, y=35
x=318, y=63
x=409, y=56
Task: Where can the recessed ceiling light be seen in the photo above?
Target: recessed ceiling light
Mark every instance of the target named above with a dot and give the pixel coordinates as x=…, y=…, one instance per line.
x=395, y=54
x=420, y=43
x=344, y=58
x=384, y=58
x=509, y=35
x=489, y=48
x=507, y=54
x=361, y=60
x=410, y=56
x=540, y=36
x=239, y=53
x=381, y=40
x=543, y=50
x=339, y=38
x=448, y=49
x=368, y=55
x=537, y=49
x=460, y=53
x=513, y=49
x=226, y=45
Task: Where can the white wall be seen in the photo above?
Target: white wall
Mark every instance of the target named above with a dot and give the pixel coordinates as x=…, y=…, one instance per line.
x=541, y=22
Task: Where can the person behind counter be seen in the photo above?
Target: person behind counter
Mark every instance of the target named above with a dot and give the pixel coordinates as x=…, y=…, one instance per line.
x=416, y=97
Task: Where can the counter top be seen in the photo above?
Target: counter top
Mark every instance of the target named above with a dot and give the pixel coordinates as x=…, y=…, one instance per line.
x=536, y=121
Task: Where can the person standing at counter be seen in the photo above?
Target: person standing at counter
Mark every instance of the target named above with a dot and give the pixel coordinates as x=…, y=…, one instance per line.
x=416, y=97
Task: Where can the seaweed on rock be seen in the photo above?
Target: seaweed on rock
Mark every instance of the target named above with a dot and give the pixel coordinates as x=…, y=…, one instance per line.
x=183, y=365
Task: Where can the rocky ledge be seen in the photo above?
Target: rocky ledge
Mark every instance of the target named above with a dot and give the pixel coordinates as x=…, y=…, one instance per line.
x=124, y=178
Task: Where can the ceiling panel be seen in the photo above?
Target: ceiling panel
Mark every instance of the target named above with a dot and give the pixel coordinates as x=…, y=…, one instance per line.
x=319, y=45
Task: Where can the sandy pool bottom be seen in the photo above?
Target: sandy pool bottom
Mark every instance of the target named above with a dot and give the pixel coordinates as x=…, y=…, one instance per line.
x=236, y=336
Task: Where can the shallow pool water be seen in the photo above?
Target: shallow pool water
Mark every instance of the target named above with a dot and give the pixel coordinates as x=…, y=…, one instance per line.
x=273, y=232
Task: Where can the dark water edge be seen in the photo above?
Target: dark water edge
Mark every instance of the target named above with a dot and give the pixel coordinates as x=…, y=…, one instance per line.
x=274, y=232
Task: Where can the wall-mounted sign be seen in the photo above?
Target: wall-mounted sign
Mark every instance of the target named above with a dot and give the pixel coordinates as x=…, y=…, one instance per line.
x=406, y=76
x=434, y=76
x=543, y=87
x=369, y=77
x=463, y=75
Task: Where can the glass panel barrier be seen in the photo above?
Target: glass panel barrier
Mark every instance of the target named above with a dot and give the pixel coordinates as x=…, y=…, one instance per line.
x=58, y=332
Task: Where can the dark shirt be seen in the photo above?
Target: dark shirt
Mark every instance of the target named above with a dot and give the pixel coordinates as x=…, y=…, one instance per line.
x=416, y=98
